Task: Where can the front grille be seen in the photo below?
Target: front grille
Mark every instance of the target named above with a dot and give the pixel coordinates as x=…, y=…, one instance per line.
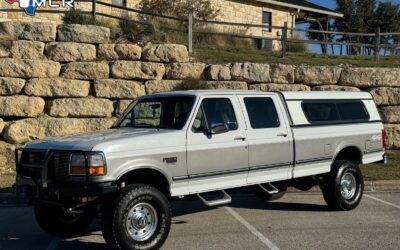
x=33, y=158
x=31, y=164
x=61, y=165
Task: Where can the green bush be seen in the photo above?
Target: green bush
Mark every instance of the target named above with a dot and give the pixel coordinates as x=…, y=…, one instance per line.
x=134, y=31
x=78, y=17
x=297, y=47
x=202, y=9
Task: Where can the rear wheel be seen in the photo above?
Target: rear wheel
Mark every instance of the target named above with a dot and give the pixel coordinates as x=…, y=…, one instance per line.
x=56, y=221
x=140, y=219
x=344, y=186
x=261, y=194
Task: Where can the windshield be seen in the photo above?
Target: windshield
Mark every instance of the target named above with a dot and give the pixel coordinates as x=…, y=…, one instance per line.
x=159, y=112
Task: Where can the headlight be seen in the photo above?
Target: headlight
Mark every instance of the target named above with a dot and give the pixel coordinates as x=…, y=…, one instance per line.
x=96, y=164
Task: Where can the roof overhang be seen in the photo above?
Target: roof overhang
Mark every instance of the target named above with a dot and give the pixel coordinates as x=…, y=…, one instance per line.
x=303, y=8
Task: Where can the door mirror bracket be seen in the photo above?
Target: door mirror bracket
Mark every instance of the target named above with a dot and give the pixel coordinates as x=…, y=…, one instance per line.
x=219, y=128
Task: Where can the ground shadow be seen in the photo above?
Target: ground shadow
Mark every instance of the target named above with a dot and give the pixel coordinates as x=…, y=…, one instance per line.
x=35, y=238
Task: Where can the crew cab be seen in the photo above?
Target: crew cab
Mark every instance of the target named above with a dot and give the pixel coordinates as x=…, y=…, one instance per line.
x=188, y=144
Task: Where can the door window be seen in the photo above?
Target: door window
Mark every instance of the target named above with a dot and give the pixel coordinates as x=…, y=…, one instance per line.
x=262, y=112
x=215, y=111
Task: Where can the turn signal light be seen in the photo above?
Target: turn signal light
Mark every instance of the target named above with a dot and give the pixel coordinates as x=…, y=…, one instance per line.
x=93, y=171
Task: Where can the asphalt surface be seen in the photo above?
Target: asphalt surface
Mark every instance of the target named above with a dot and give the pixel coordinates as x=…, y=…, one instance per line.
x=297, y=221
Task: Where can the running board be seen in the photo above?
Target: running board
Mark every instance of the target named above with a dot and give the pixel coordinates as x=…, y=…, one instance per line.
x=269, y=188
x=224, y=200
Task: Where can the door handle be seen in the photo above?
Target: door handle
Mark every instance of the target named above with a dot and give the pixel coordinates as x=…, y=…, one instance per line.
x=240, y=138
x=283, y=134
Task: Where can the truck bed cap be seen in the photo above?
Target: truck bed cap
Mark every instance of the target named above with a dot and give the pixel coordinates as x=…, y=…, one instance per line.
x=326, y=95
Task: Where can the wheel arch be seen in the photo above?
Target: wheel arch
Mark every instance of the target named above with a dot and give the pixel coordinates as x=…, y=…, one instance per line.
x=148, y=176
x=349, y=152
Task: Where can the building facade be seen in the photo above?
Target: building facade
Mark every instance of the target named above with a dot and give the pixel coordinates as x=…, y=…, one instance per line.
x=266, y=12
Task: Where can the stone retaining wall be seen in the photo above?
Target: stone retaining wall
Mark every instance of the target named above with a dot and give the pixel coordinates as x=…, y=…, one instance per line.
x=69, y=79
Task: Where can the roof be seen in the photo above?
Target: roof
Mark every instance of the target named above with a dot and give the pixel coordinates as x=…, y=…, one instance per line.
x=304, y=6
x=327, y=95
x=299, y=95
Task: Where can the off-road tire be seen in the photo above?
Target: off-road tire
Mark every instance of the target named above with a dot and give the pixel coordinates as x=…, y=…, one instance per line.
x=55, y=221
x=115, y=216
x=332, y=185
x=107, y=214
x=261, y=194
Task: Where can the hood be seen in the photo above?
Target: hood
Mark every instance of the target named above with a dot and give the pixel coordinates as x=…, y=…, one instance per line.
x=87, y=141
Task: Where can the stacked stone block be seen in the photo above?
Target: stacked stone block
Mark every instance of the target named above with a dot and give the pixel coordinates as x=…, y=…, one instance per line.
x=56, y=81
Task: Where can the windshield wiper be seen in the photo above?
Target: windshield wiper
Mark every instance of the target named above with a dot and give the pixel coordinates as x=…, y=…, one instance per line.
x=146, y=125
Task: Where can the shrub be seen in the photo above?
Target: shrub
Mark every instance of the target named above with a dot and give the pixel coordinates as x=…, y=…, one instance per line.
x=202, y=9
x=73, y=16
x=135, y=31
x=78, y=17
x=298, y=46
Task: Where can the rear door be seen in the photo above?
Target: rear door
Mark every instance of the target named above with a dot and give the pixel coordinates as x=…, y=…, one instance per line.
x=269, y=138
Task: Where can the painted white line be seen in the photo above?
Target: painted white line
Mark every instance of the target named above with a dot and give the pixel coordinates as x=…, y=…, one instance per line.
x=384, y=202
x=53, y=244
x=252, y=229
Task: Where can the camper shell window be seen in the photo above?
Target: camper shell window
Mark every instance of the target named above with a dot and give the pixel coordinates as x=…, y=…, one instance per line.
x=326, y=112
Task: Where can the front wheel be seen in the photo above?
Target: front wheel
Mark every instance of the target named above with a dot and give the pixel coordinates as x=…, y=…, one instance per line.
x=56, y=221
x=344, y=186
x=141, y=219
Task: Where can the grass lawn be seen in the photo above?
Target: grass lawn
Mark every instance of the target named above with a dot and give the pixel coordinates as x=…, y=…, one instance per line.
x=372, y=172
x=216, y=54
x=376, y=171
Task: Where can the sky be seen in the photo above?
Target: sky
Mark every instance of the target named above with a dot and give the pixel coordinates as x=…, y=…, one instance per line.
x=332, y=5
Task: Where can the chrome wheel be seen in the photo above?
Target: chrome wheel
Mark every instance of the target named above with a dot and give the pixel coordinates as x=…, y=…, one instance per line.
x=348, y=186
x=142, y=221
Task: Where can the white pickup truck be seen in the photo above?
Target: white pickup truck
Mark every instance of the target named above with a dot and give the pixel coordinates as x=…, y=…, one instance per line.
x=186, y=144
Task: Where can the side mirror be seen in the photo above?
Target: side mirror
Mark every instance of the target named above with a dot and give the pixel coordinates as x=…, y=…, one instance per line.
x=219, y=128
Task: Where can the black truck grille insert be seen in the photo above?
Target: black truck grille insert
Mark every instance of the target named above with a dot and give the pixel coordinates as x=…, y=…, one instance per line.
x=33, y=162
x=61, y=165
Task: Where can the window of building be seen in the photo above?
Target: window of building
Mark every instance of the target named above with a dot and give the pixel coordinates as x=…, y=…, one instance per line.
x=335, y=111
x=267, y=20
x=119, y=2
x=262, y=113
x=215, y=111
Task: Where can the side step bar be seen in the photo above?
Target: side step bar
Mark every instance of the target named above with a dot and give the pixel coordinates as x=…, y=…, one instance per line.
x=218, y=202
x=269, y=188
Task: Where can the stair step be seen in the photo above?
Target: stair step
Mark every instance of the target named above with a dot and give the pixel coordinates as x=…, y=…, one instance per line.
x=226, y=199
x=269, y=188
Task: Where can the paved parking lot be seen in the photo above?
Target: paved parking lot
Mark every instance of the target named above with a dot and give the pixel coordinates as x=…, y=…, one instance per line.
x=298, y=221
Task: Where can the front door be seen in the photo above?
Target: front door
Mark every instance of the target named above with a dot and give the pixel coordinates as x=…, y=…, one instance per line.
x=217, y=161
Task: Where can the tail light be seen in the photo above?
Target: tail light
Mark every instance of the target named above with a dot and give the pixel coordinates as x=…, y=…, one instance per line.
x=383, y=138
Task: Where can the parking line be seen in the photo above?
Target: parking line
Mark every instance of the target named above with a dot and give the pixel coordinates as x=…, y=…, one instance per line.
x=53, y=244
x=384, y=202
x=252, y=229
